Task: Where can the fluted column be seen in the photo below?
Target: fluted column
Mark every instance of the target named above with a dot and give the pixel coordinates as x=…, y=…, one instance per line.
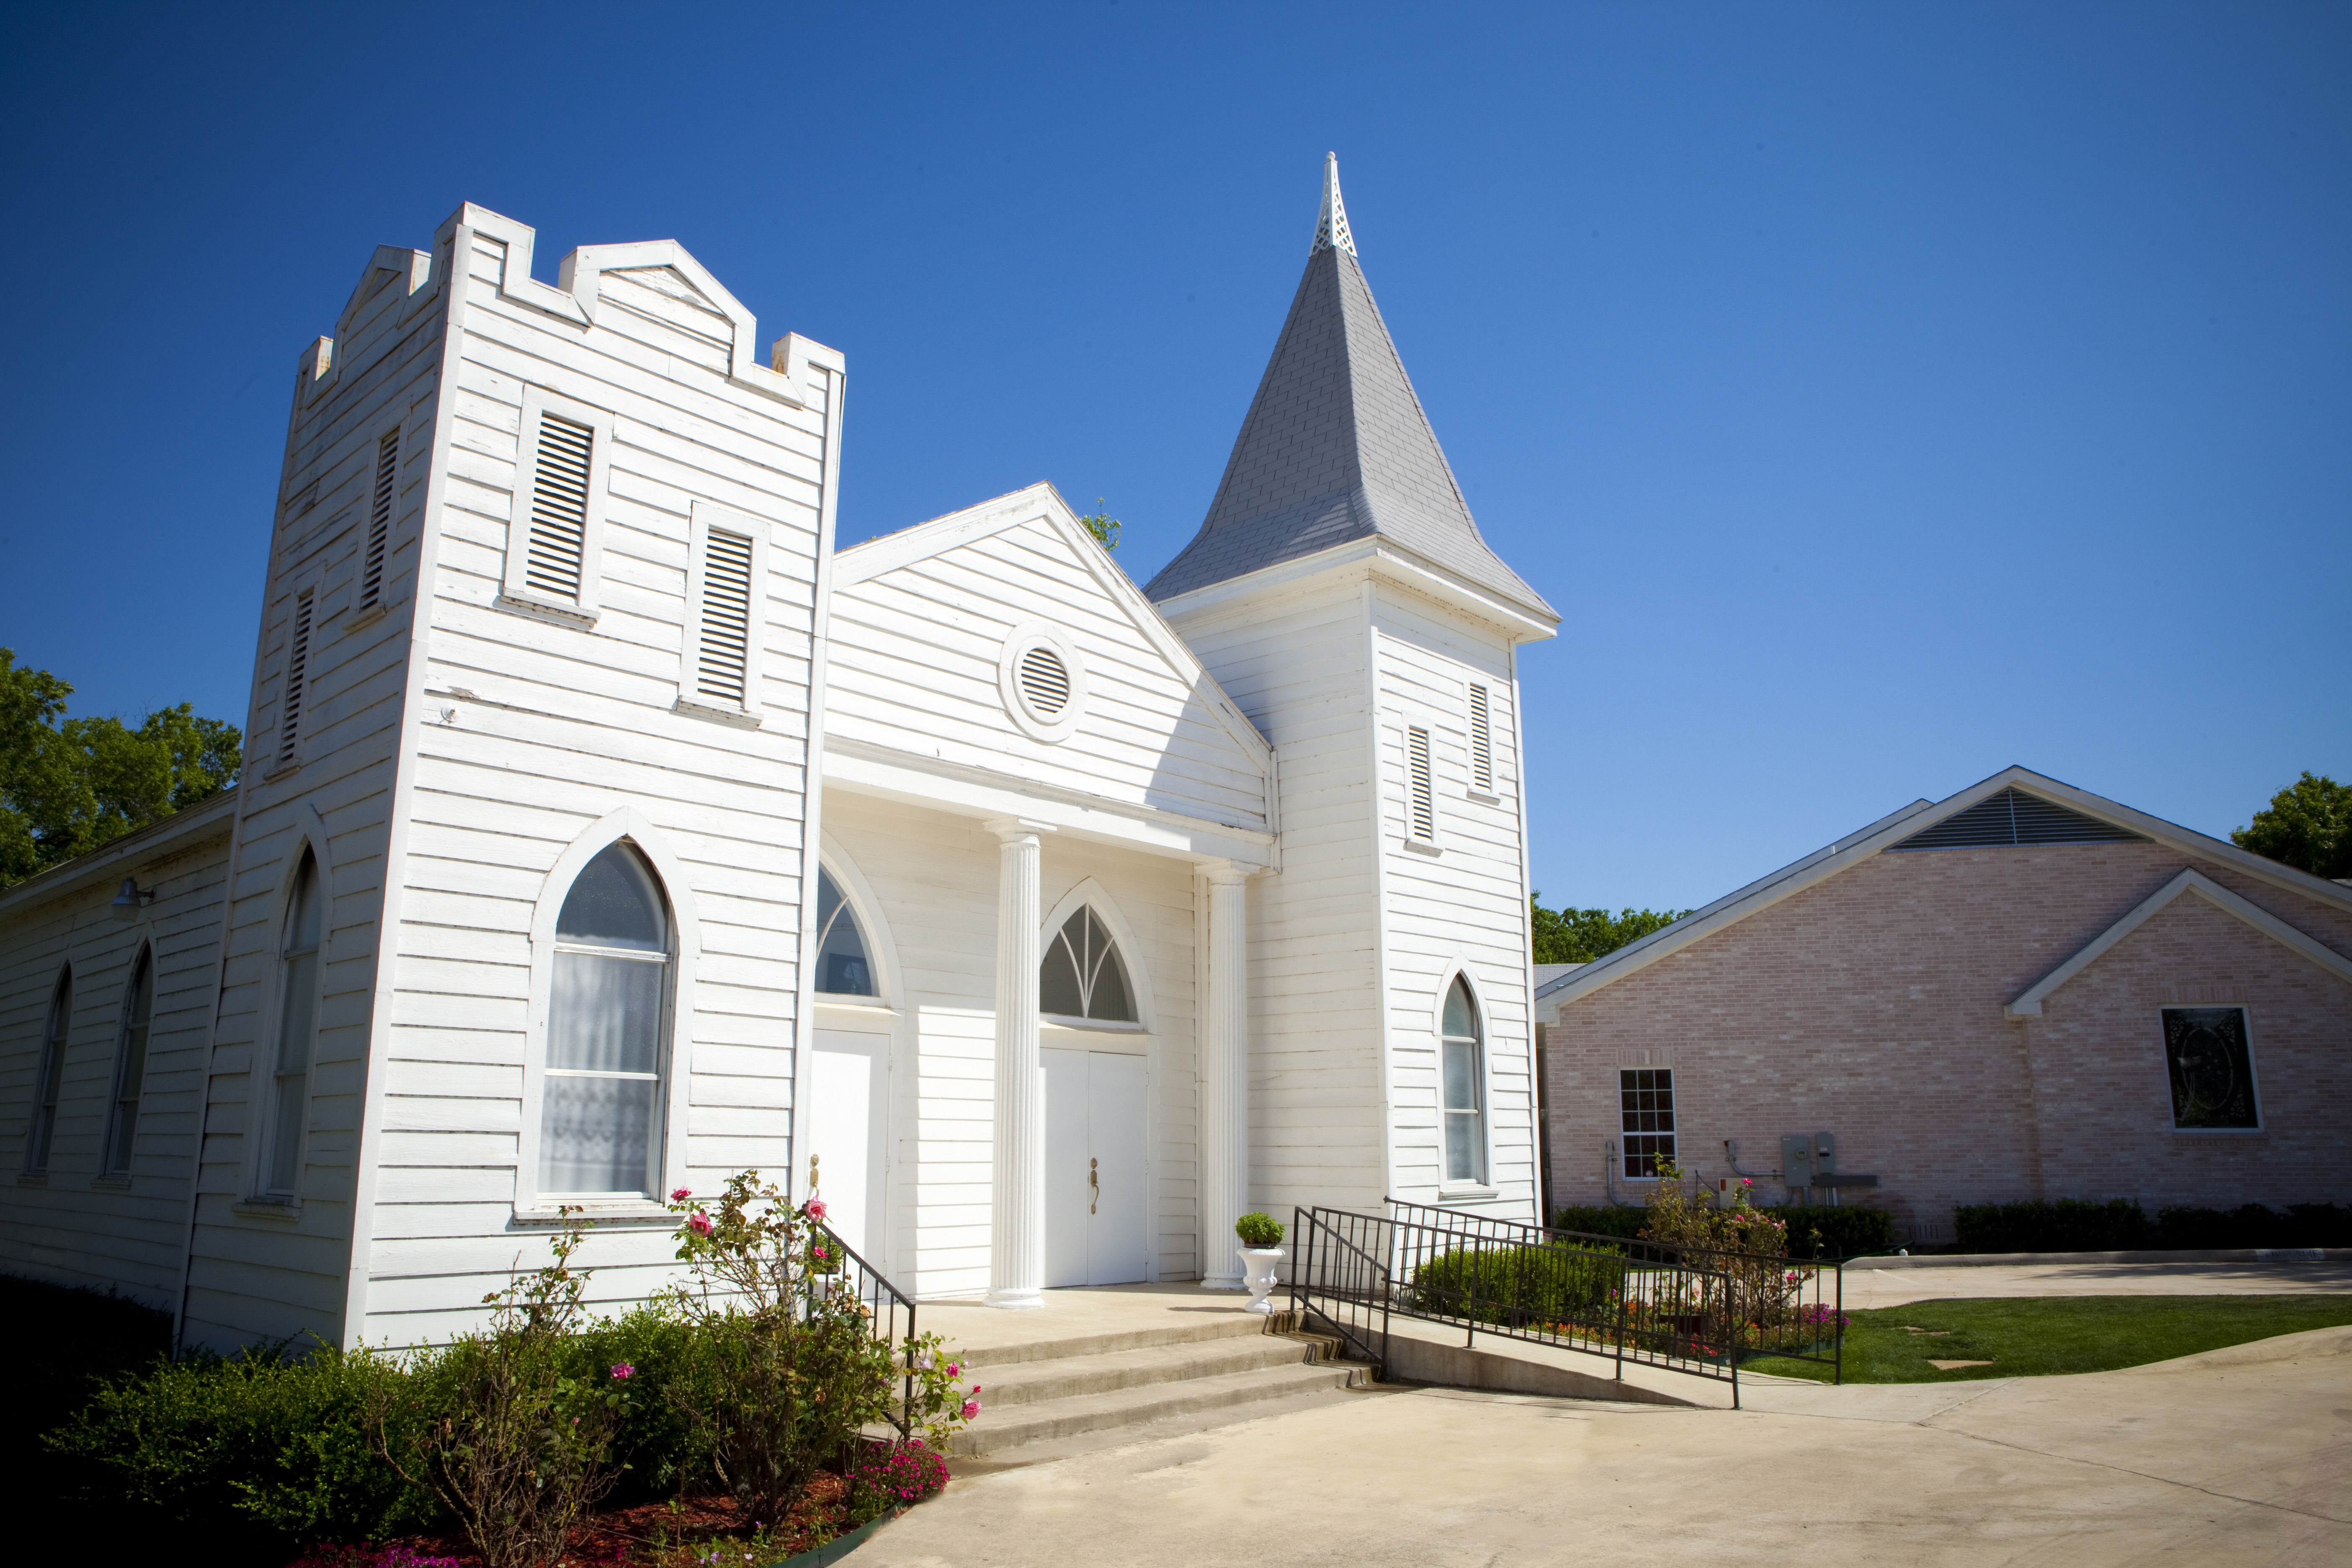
x=1225, y=1076
x=1017, y=1264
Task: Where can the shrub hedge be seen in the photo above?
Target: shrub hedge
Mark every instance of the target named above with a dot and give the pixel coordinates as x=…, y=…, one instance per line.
x=1845, y=1231
x=2121, y=1226
x=1518, y=1284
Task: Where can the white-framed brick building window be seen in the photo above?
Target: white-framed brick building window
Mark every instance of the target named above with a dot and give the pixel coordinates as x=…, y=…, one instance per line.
x=1646, y=1109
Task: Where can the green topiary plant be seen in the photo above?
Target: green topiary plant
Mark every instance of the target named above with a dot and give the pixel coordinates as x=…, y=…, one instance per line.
x=1258, y=1230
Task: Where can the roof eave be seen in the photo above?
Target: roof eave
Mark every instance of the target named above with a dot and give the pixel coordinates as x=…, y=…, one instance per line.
x=100, y=865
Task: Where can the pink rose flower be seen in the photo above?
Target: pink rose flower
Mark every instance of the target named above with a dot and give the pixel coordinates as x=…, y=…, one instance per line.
x=680, y=1196
x=818, y=1250
x=624, y=1371
x=970, y=1408
x=817, y=1208
x=700, y=1224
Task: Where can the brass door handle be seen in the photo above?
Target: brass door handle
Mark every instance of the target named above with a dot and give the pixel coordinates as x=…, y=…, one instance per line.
x=1094, y=1185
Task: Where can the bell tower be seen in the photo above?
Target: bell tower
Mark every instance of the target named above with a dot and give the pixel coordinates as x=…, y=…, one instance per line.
x=1340, y=592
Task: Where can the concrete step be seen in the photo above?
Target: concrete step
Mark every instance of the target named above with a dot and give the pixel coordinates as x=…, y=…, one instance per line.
x=1108, y=1410
x=1210, y=1325
x=1067, y=1377
x=1046, y=1450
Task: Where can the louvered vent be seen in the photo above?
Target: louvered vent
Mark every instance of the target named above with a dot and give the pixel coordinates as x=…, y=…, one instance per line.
x=1420, y=799
x=559, y=508
x=2013, y=818
x=1045, y=683
x=722, y=671
x=1482, y=742
x=297, y=671
x=379, y=534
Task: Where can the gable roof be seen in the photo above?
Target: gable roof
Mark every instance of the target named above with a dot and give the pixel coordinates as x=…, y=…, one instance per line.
x=1042, y=502
x=1895, y=831
x=1336, y=446
x=2191, y=880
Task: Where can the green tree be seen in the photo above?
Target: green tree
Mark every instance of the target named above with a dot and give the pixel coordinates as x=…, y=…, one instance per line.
x=2308, y=825
x=1579, y=936
x=69, y=785
x=1103, y=526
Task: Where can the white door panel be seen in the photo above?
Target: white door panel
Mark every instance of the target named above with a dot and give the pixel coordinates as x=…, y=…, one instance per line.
x=849, y=1133
x=1067, y=1220
x=1117, y=1239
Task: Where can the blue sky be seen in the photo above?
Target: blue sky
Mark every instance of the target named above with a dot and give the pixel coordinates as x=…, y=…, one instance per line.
x=1884, y=395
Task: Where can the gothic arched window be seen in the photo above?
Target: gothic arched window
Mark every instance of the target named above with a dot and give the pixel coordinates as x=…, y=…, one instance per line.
x=844, y=968
x=1465, y=1097
x=130, y=1065
x=1082, y=976
x=298, y=1026
x=600, y=1110
x=53, y=1069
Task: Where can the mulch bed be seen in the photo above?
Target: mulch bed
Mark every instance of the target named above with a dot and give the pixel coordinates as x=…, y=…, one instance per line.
x=628, y=1536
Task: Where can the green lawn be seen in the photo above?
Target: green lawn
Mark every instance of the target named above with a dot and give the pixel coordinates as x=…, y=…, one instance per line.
x=2039, y=1336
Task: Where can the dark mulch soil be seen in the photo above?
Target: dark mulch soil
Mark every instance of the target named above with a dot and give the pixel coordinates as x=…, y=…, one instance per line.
x=651, y=1535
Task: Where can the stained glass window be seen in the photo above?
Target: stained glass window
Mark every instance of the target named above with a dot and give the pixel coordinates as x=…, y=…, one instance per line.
x=2212, y=1071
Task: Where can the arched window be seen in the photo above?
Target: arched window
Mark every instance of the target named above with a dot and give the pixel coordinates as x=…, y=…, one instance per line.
x=298, y=1021
x=843, y=965
x=599, y=1113
x=1465, y=1095
x=53, y=1072
x=1082, y=976
x=130, y=1066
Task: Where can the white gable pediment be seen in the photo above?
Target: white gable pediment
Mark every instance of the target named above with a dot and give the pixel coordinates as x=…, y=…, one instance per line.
x=920, y=639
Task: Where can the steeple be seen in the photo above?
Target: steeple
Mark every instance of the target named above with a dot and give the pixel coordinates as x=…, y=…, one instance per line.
x=1336, y=446
x=1331, y=230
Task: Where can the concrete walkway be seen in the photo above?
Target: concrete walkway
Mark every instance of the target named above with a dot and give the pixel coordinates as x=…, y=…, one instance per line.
x=2239, y=1456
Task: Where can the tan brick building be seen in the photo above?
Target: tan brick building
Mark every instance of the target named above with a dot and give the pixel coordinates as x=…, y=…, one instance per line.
x=2025, y=990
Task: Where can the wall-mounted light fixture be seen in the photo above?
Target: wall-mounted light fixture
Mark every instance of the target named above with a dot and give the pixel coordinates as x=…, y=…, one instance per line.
x=131, y=900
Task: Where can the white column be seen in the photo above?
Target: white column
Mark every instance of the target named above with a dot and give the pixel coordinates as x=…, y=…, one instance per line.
x=1225, y=1076
x=1017, y=1264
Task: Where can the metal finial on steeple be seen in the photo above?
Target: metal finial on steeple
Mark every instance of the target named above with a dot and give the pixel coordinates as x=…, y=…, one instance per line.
x=1331, y=227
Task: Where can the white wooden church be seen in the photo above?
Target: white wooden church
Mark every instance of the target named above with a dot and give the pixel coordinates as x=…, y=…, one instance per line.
x=604, y=831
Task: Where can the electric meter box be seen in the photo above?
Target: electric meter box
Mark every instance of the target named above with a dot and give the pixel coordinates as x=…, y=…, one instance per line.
x=1796, y=1160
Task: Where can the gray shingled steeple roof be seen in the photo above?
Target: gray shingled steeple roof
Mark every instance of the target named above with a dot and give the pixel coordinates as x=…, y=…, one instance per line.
x=1336, y=446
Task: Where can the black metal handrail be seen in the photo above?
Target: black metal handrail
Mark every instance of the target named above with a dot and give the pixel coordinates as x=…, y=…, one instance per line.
x=1346, y=1287
x=1789, y=1307
x=882, y=1303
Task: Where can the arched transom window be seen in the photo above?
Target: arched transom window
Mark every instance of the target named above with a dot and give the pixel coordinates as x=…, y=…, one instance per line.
x=600, y=1115
x=1082, y=976
x=842, y=966
x=1465, y=1097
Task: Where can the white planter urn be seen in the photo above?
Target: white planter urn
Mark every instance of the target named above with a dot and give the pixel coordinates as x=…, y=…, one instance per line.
x=1257, y=1274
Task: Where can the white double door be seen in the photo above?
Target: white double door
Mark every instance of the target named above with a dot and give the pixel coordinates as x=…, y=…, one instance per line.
x=1097, y=1211
x=849, y=1132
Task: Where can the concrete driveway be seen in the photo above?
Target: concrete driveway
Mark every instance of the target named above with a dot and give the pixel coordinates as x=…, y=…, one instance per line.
x=2238, y=1455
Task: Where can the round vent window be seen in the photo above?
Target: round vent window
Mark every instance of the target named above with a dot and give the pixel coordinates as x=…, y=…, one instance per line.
x=1043, y=682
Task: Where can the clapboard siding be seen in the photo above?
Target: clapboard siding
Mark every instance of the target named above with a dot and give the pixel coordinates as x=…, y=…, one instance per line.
x=1465, y=906
x=75, y=1225
x=912, y=665
x=551, y=728
x=1299, y=667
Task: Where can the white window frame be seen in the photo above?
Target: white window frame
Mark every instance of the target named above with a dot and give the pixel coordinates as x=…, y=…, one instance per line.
x=57, y=1039
x=2164, y=1072
x=1674, y=1093
x=1482, y=1185
x=516, y=592
x=532, y=1206
x=855, y=899
x=1091, y=894
x=707, y=516
x=261, y=1100
x=107, y=1167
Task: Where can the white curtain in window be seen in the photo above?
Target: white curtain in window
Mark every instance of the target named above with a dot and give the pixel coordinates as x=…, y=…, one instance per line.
x=599, y=1116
